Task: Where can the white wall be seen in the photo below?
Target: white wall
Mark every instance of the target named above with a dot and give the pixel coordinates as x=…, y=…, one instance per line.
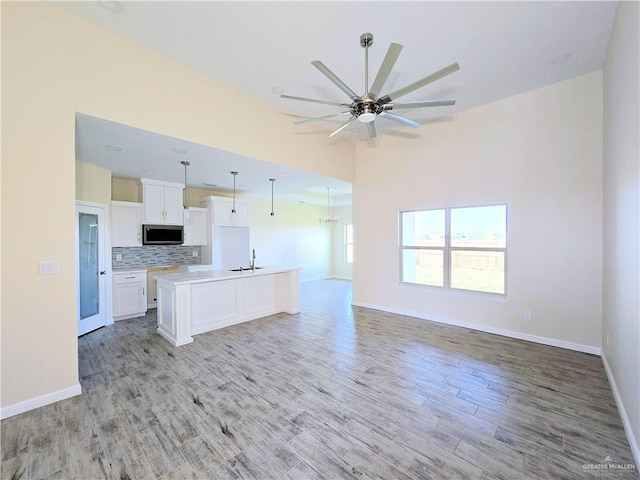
x=293, y=237
x=621, y=274
x=541, y=153
x=339, y=267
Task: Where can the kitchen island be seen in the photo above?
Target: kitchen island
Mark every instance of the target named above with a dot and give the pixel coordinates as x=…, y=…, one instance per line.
x=198, y=302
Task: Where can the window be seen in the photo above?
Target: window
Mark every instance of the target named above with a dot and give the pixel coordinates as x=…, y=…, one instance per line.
x=455, y=248
x=348, y=243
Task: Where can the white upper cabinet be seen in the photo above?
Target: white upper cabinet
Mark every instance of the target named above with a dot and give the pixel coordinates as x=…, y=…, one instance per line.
x=195, y=226
x=220, y=210
x=126, y=224
x=162, y=202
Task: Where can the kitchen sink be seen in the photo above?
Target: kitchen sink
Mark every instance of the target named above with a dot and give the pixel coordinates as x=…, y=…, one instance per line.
x=244, y=269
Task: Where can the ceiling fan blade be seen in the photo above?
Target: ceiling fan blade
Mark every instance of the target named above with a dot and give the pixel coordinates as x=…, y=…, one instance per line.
x=343, y=126
x=399, y=119
x=421, y=83
x=319, y=118
x=385, y=69
x=332, y=76
x=425, y=103
x=371, y=128
x=313, y=100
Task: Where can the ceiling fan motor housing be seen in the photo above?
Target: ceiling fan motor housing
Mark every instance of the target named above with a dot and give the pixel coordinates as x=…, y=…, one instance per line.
x=366, y=108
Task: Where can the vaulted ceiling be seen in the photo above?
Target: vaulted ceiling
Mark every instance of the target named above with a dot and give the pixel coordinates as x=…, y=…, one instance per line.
x=265, y=48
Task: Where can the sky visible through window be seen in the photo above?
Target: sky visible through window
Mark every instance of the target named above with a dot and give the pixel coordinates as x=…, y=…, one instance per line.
x=482, y=225
x=462, y=248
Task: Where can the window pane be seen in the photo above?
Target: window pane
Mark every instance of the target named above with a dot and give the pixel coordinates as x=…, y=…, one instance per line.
x=479, y=226
x=348, y=243
x=348, y=232
x=481, y=271
x=425, y=267
x=424, y=228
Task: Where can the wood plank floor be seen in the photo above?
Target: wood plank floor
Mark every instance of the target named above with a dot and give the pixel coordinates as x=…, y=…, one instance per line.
x=335, y=392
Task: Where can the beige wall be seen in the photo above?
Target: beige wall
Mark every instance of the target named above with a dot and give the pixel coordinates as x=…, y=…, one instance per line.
x=93, y=184
x=541, y=153
x=54, y=65
x=130, y=190
x=126, y=190
x=621, y=275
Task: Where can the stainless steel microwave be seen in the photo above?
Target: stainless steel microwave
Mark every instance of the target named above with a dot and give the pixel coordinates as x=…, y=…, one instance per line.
x=162, y=235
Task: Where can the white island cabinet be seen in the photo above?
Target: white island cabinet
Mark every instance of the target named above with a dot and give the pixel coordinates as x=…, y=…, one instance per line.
x=198, y=302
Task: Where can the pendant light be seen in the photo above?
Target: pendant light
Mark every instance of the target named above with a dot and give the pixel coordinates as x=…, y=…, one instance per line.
x=329, y=219
x=185, y=193
x=272, y=180
x=234, y=214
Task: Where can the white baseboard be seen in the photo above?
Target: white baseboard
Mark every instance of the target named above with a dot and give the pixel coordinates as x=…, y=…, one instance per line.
x=628, y=430
x=484, y=328
x=41, y=401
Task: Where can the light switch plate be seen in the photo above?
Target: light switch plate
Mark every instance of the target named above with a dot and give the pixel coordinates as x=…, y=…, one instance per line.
x=48, y=267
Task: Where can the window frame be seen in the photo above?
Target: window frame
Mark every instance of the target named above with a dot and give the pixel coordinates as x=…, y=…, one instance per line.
x=447, y=250
x=347, y=243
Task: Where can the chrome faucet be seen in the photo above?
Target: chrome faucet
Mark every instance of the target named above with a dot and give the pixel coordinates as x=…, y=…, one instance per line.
x=253, y=260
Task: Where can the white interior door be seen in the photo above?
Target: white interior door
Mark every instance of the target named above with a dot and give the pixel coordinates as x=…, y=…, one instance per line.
x=91, y=267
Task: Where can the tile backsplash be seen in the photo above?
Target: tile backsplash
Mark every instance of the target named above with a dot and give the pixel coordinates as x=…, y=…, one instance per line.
x=155, y=256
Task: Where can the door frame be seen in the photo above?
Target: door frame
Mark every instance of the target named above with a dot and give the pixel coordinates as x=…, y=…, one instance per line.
x=105, y=251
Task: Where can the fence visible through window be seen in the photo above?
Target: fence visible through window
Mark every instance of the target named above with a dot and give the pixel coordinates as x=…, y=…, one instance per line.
x=455, y=248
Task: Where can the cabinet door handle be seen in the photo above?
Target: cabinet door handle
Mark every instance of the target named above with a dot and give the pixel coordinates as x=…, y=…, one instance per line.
x=103, y=272
x=126, y=278
x=143, y=290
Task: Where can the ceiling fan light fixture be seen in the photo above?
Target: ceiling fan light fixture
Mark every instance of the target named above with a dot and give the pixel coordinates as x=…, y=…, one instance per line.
x=371, y=104
x=367, y=117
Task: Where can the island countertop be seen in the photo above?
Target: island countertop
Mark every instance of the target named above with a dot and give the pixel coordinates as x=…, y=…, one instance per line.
x=205, y=276
x=190, y=303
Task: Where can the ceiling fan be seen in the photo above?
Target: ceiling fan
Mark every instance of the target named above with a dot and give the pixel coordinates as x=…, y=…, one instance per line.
x=367, y=107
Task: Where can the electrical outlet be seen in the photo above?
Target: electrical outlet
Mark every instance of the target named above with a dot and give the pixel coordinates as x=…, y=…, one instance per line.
x=526, y=315
x=195, y=253
x=118, y=257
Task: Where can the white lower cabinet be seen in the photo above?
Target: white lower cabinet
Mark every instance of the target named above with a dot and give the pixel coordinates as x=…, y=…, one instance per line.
x=129, y=294
x=193, y=303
